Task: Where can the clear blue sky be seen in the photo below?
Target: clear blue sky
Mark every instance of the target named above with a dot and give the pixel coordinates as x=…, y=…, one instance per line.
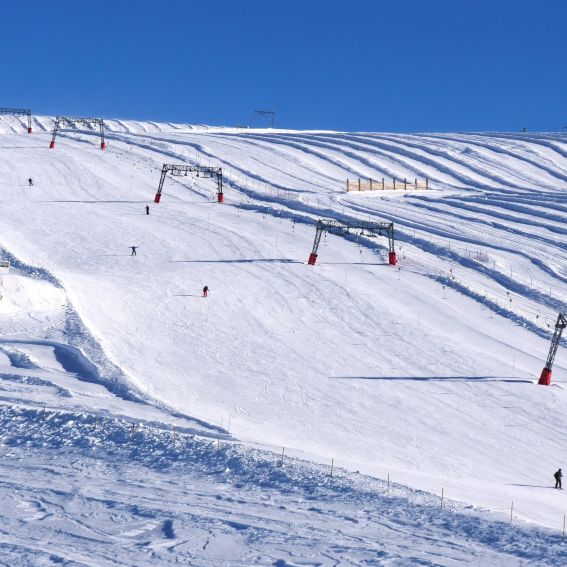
x=395, y=65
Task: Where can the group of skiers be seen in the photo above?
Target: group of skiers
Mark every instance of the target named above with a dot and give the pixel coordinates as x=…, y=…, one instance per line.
x=134, y=248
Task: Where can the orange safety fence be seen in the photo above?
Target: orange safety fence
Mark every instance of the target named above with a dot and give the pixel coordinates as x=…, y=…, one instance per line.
x=383, y=185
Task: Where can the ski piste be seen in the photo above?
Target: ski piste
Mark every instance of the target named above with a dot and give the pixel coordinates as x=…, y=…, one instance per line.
x=425, y=370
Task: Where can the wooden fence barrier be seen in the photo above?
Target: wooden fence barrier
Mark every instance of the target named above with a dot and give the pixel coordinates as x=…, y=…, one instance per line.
x=381, y=185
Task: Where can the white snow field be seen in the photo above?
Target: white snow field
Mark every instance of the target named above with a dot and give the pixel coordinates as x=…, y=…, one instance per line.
x=425, y=372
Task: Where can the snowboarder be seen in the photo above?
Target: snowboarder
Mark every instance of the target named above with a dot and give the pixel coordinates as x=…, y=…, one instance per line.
x=147, y=209
x=557, y=477
x=30, y=182
x=133, y=250
x=206, y=291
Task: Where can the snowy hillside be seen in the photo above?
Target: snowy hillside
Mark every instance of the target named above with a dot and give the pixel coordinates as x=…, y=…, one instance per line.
x=425, y=371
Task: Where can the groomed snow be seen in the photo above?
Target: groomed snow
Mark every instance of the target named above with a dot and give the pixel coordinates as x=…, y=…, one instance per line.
x=103, y=492
x=426, y=371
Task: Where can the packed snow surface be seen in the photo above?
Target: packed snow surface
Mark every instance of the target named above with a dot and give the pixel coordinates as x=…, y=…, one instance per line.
x=425, y=371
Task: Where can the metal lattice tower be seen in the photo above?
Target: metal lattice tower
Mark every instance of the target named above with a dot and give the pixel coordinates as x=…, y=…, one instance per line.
x=545, y=378
x=343, y=228
x=63, y=122
x=261, y=113
x=179, y=170
x=19, y=112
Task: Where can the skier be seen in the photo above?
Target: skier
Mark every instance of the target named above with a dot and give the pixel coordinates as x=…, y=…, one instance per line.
x=147, y=209
x=133, y=250
x=206, y=291
x=30, y=182
x=557, y=477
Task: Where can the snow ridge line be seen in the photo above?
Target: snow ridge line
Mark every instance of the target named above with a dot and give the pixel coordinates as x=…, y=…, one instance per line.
x=545, y=140
x=80, y=339
x=476, y=207
x=78, y=335
x=493, y=306
x=396, y=155
x=399, y=508
x=518, y=154
x=28, y=270
x=444, y=252
x=33, y=381
x=514, y=231
x=444, y=280
x=517, y=203
x=293, y=215
x=505, y=281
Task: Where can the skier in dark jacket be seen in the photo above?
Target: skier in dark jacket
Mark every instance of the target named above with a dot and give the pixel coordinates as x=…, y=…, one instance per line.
x=30, y=182
x=147, y=209
x=206, y=291
x=133, y=250
x=557, y=477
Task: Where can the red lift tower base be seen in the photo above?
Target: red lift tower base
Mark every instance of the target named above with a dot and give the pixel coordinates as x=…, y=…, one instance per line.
x=312, y=259
x=220, y=197
x=545, y=378
x=392, y=258
x=29, y=130
x=157, y=198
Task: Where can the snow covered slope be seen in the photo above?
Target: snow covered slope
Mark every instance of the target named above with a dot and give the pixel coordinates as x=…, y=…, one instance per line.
x=105, y=493
x=424, y=371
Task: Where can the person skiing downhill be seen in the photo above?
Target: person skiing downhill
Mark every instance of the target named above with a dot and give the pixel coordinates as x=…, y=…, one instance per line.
x=147, y=209
x=133, y=250
x=30, y=182
x=557, y=477
x=206, y=291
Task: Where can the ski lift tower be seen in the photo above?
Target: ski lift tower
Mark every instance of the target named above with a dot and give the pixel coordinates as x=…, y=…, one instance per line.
x=65, y=122
x=179, y=170
x=545, y=378
x=19, y=112
x=343, y=228
x=259, y=114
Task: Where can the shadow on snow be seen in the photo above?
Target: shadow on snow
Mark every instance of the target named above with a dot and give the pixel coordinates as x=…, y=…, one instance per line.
x=438, y=379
